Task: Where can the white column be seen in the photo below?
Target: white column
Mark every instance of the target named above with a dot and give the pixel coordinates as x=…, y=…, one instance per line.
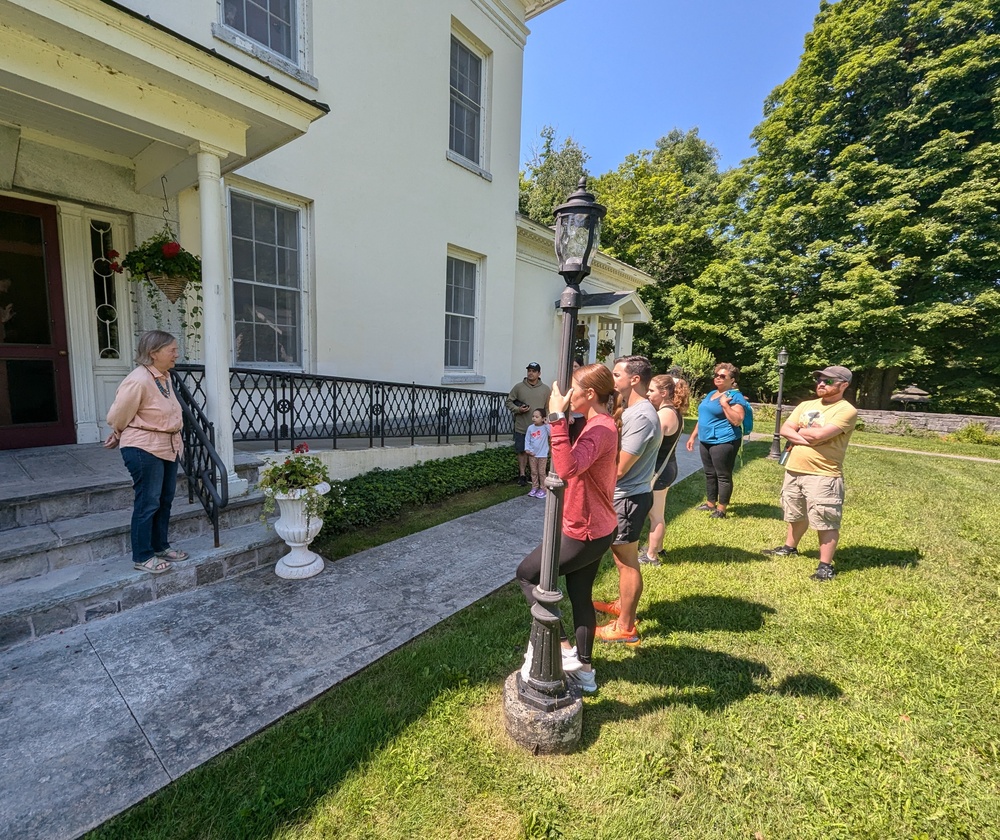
x=74, y=239
x=216, y=331
x=625, y=339
x=592, y=323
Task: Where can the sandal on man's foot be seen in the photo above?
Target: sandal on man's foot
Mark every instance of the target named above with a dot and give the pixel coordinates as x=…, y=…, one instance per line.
x=154, y=565
x=172, y=554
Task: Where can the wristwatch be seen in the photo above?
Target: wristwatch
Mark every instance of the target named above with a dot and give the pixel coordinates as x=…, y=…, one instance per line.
x=555, y=416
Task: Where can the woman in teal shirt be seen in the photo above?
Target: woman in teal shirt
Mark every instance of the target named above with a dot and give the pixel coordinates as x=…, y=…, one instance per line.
x=720, y=433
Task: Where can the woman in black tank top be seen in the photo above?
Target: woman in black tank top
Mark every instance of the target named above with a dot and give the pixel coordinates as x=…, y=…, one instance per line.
x=663, y=395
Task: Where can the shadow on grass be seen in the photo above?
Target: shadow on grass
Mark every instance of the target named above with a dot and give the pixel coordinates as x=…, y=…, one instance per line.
x=696, y=613
x=711, y=554
x=756, y=511
x=705, y=679
x=857, y=558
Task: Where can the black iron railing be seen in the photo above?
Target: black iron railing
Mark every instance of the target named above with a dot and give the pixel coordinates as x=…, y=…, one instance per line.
x=284, y=407
x=207, y=475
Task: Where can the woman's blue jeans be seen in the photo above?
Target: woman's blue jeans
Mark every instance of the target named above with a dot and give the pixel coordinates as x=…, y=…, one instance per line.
x=154, y=481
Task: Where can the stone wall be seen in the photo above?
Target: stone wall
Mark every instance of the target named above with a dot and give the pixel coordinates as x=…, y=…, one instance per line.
x=897, y=421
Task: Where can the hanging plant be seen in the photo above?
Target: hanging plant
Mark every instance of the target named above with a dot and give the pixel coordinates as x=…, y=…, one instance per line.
x=605, y=347
x=163, y=269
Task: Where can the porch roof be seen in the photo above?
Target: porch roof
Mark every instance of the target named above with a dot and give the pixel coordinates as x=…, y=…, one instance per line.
x=95, y=77
x=626, y=307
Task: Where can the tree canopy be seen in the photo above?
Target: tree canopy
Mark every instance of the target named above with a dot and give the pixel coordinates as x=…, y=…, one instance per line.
x=865, y=231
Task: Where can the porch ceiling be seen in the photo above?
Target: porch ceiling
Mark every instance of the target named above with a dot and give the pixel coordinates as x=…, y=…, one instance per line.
x=92, y=76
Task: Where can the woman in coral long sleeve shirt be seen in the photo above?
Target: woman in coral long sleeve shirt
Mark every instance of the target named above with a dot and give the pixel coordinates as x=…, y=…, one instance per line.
x=146, y=421
x=589, y=468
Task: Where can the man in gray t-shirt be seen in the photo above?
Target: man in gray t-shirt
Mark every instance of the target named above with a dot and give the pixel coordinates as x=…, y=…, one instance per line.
x=641, y=437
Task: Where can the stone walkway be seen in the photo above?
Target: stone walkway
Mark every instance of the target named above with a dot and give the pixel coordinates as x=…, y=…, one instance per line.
x=100, y=716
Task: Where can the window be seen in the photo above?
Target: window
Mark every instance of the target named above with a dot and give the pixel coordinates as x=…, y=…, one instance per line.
x=460, y=314
x=268, y=22
x=465, y=135
x=267, y=282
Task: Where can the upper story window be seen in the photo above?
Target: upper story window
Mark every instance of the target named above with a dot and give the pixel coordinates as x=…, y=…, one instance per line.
x=268, y=22
x=465, y=135
x=266, y=243
x=275, y=32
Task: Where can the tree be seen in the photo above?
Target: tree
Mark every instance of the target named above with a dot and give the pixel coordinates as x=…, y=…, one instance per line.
x=660, y=205
x=866, y=229
x=552, y=175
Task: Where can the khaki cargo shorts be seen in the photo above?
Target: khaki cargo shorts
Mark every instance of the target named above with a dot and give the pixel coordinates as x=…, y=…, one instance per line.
x=818, y=498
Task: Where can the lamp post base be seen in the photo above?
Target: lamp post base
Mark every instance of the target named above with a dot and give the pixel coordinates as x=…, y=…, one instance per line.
x=541, y=732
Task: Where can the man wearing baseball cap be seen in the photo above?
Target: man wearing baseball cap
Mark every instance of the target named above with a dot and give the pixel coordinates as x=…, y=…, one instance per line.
x=813, y=492
x=524, y=398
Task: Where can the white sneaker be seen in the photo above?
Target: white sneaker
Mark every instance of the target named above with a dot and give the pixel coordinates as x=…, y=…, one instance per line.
x=584, y=680
x=570, y=661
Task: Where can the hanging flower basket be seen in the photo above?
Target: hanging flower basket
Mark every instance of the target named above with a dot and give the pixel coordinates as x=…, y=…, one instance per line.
x=161, y=263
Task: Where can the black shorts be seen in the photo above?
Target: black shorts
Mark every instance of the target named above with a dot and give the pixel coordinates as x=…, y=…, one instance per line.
x=667, y=477
x=519, y=442
x=632, y=512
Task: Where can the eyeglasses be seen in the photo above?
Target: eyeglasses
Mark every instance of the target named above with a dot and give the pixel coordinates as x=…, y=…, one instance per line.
x=823, y=381
x=720, y=376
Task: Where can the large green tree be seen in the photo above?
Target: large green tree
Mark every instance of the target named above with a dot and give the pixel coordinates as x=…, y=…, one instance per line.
x=866, y=230
x=660, y=212
x=551, y=176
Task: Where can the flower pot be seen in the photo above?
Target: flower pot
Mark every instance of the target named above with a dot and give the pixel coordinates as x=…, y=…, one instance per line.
x=298, y=530
x=172, y=285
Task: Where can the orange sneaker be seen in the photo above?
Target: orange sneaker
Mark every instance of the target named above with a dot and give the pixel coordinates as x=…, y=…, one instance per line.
x=613, y=633
x=613, y=608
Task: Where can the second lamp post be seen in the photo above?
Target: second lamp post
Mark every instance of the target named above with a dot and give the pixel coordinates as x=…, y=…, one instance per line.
x=775, y=452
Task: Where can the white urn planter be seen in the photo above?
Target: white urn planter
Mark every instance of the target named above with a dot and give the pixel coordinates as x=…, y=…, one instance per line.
x=298, y=531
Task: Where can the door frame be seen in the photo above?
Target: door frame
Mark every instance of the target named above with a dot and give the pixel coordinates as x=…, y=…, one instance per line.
x=63, y=430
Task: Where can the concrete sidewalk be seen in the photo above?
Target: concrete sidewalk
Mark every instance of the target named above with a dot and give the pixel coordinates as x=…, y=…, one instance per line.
x=98, y=717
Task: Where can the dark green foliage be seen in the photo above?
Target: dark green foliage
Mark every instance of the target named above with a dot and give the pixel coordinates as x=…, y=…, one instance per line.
x=382, y=494
x=866, y=230
x=552, y=176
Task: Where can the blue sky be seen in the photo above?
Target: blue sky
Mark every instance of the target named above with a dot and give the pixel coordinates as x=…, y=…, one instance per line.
x=658, y=65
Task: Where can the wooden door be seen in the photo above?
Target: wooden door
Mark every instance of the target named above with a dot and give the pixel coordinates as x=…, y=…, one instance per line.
x=35, y=398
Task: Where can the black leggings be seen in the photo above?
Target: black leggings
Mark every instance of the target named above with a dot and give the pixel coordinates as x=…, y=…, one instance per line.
x=578, y=561
x=719, y=459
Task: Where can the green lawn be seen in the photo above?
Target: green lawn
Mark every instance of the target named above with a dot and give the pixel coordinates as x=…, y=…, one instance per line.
x=760, y=704
x=929, y=443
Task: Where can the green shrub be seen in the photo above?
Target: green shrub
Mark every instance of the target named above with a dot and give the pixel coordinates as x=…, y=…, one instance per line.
x=859, y=425
x=380, y=495
x=976, y=433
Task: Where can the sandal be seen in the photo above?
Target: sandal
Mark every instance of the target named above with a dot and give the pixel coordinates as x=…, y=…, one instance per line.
x=154, y=565
x=173, y=554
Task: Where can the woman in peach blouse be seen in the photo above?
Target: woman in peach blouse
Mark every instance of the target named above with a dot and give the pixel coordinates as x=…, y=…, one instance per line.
x=146, y=422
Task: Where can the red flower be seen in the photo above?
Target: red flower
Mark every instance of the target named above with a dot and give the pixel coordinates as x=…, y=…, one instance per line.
x=117, y=269
x=171, y=249
x=112, y=255
x=301, y=448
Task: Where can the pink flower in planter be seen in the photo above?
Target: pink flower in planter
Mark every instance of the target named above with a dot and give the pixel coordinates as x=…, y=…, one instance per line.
x=171, y=249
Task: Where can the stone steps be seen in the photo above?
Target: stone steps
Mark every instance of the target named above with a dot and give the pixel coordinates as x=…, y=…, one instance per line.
x=65, y=555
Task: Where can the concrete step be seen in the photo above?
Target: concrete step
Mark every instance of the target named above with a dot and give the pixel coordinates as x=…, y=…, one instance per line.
x=67, y=498
x=35, y=550
x=85, y=592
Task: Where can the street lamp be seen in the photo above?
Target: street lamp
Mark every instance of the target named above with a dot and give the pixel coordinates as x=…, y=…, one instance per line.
x=541, y=713
x=775, y=452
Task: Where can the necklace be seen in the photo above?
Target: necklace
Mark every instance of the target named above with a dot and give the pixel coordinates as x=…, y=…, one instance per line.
x=163, y=388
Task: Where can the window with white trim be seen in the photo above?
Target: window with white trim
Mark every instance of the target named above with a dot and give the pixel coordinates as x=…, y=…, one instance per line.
x=461, y=314
x=271, y=23
x=465, y=136
x=266, y=260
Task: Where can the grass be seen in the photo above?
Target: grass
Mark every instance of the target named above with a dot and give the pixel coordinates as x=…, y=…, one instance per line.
x=760, y=704
x=926, y=443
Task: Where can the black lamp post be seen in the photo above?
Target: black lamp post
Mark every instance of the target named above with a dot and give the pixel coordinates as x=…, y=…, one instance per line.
x=578, y=233
x=775, y=452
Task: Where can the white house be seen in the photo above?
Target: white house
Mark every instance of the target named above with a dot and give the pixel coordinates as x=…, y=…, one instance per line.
x=347, y=171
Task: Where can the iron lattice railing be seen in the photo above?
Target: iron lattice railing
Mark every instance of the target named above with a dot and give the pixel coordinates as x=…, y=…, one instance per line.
x=207, y=476
x=280, y=406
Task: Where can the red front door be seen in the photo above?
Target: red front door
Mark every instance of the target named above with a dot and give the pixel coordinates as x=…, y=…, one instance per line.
x=35, y=398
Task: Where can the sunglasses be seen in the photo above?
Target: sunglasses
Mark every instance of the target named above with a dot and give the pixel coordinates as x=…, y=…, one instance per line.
x=720, y=376
x=823, y=381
